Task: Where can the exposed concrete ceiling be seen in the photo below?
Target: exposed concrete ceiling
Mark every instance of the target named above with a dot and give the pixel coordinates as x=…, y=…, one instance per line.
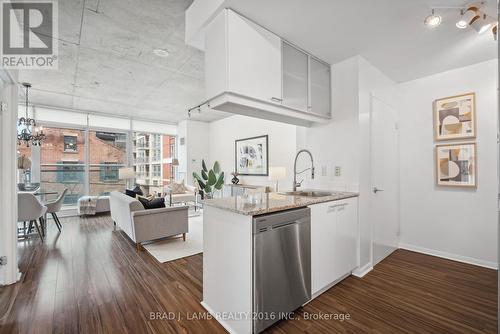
x=106, y=61
x=390, y=34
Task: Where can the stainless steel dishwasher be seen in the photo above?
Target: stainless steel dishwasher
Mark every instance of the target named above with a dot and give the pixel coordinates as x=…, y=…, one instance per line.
x=281, y=265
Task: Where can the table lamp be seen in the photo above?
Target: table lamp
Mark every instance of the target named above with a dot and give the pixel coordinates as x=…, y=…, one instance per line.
x=126, y=173
x=276, y=174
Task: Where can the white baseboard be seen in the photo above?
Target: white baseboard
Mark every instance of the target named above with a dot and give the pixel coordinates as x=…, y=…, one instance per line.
x=449, y=256
x=220, y=321
x=360, y=272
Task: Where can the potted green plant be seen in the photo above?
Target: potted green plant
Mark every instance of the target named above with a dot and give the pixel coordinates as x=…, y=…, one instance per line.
x=210, y=180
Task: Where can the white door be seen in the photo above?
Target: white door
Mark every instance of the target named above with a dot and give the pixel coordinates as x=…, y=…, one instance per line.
x=384, y=199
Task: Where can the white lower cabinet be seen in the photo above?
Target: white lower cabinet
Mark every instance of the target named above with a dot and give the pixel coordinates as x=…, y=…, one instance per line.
x=334, y=241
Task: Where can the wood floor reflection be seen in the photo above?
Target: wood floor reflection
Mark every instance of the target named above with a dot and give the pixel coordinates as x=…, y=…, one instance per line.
x=90, y=279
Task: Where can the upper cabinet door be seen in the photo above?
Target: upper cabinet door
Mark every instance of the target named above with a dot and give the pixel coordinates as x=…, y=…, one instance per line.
x=319, y=100
x=254, y=59
x=295, y=77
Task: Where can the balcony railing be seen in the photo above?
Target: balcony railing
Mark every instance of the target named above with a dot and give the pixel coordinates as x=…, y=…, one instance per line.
x=142, y=145
x=103, y=178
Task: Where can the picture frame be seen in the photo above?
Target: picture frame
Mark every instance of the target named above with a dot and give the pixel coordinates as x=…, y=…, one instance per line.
x=455, y=117
x=252, y=156
x=456, y=165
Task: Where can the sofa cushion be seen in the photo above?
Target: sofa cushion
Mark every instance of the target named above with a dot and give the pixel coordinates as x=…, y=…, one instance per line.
x=178, y=187
x=155, y=203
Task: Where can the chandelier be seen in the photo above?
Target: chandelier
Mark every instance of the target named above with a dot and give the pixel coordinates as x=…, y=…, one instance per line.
x=27, y=131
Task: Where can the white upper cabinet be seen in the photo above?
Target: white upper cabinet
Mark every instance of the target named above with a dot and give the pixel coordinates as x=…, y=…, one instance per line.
x=251, y=71
x=319, y=88
x=295, y=77
x=254, y=59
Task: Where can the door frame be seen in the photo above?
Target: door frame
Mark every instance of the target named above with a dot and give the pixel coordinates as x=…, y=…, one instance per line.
x=398, y=178
x=9, y=273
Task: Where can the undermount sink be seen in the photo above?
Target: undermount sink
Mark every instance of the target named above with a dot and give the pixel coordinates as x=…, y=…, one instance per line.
x=309, y=193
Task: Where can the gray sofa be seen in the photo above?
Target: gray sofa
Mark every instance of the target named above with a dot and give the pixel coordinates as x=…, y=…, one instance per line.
x=145, y=225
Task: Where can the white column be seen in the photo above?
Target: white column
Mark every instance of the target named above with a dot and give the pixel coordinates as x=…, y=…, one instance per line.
x=9, y=273
x=35, y=164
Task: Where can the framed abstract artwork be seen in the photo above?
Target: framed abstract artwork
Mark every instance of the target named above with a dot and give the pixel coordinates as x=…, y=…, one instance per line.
x=455, y=117
x=252, y=156
x=456, y=165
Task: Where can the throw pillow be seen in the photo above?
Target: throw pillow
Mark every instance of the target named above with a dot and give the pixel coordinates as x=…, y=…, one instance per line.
x=130, y=193
x=148, y=198
x=138, y=190
x=155, y=203
x=178, y=188
x=134, y=192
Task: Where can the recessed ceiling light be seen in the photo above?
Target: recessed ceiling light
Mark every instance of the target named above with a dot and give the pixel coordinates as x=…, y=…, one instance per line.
x=432, y=20
x=161, y=52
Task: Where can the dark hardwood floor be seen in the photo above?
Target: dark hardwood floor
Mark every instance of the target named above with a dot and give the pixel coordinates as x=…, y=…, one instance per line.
x=90, y=279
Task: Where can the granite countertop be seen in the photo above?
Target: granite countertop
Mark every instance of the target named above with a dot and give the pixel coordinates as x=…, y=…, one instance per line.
x=261, y=203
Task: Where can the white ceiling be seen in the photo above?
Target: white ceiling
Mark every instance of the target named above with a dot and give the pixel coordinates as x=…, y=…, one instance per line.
x=390, y=34
x=106, y=62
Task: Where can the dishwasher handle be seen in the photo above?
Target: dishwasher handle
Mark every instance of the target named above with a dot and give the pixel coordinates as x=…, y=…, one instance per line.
x=267, y=222
x=277, y=226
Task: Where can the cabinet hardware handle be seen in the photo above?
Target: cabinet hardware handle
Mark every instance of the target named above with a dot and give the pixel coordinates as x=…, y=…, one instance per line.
x=275, y=99
x=337, y=205
x=376, y=190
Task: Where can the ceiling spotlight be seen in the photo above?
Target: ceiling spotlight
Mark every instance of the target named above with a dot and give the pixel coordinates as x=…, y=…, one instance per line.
x=432, y=20
x=161, y=52
x=494, y=31
x=481, y=23
x=463, y=22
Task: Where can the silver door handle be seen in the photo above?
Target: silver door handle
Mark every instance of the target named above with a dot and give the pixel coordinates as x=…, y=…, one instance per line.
x=376, y=190
x=275, y=99
x=337, y=205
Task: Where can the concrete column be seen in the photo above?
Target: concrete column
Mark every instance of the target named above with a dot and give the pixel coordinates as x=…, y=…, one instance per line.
x=9, y=273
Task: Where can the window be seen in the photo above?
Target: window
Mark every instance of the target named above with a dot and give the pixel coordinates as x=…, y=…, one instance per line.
x=70, y=143
x=156, y=170
x=87, y=162
x=108, y=153
x=71, y=172
x=108, y=172
x=151, y=152
x=61, y=160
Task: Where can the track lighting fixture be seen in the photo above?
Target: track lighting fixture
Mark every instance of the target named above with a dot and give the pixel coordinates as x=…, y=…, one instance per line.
x=432, y=20
x=469, y=16
x=481, y=23
x=466, y=17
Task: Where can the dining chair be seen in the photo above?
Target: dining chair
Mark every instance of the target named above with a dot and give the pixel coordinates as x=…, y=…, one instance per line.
x=54, y=207
x=29, y=209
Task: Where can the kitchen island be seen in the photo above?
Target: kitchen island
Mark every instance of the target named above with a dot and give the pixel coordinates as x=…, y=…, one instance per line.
x=229, y=249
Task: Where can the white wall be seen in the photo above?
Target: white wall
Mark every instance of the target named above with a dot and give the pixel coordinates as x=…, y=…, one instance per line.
x=282, y=146
x=344, y=141
x=195, y=148
x=335, y=143
x=455, y=223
